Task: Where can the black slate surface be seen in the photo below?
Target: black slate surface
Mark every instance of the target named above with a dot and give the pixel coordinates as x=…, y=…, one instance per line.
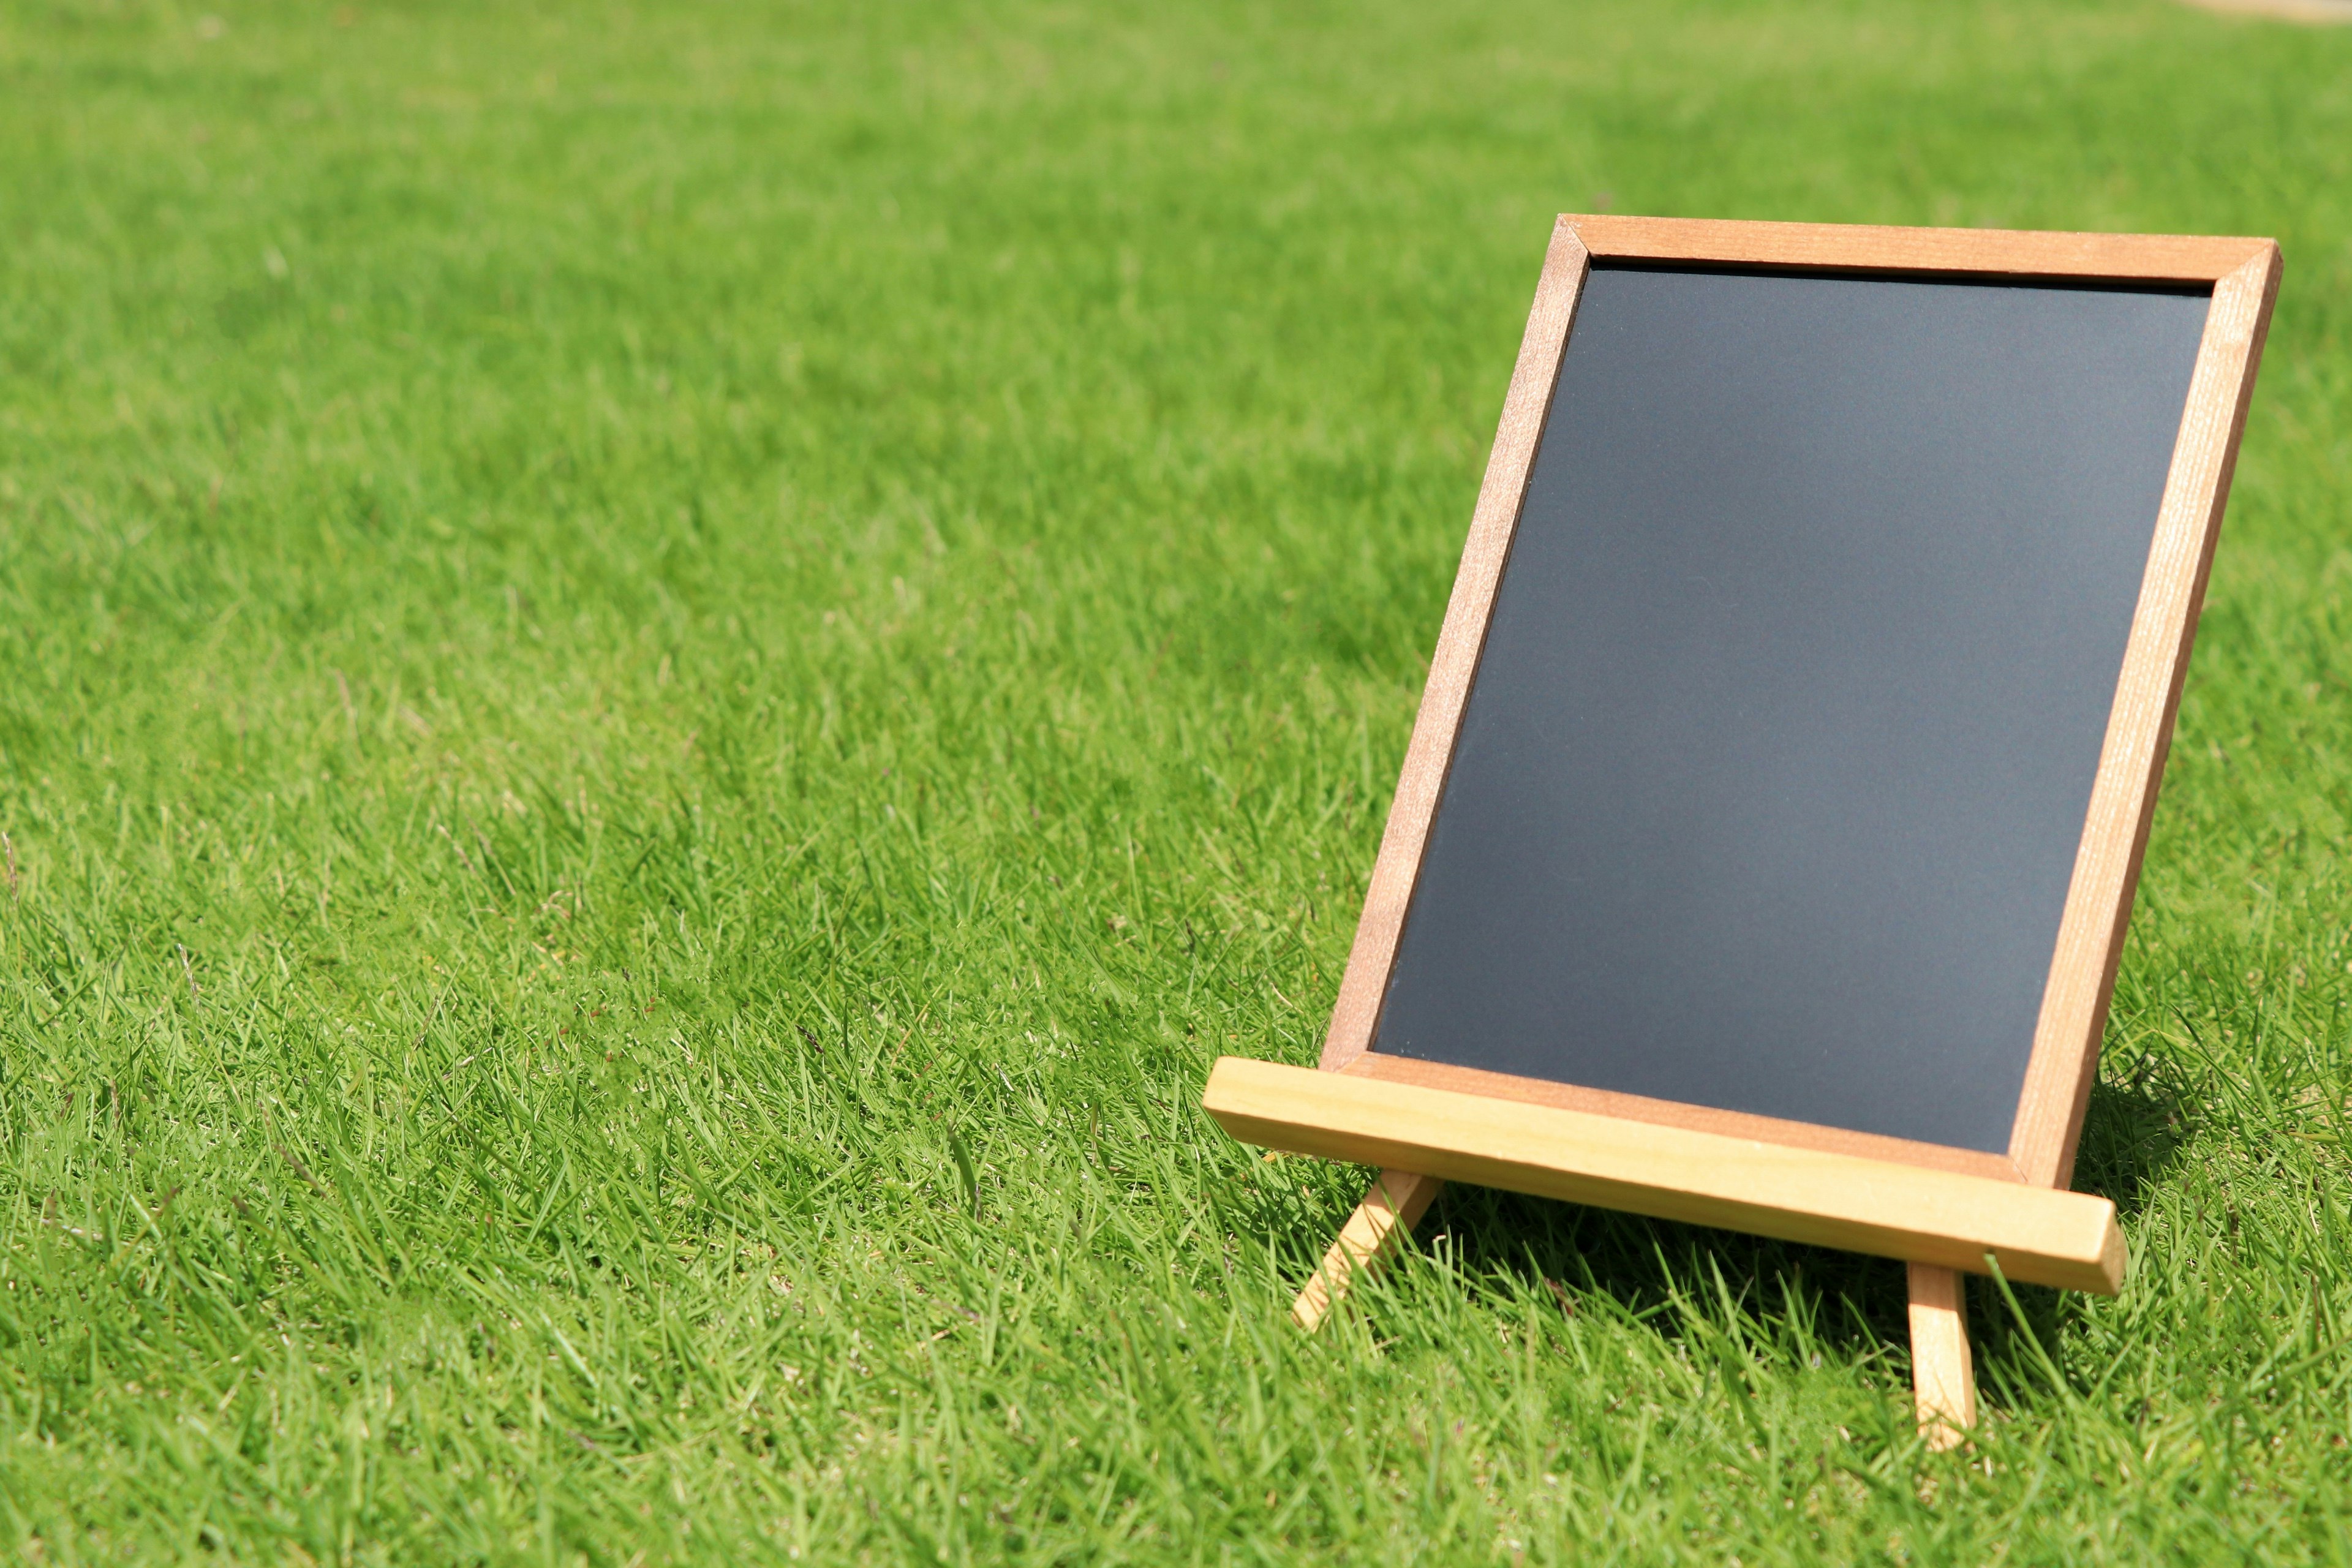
x=1770, y=785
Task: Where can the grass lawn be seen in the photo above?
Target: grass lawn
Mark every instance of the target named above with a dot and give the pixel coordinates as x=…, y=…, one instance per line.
x=668, y=674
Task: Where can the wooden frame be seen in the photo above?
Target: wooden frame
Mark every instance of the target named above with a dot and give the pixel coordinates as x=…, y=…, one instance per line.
x=1882, y=1174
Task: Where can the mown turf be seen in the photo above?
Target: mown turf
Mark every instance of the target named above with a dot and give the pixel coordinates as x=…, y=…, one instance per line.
x=667, y=674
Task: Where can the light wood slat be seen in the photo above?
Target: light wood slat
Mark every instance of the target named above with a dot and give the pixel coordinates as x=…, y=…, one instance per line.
x=1373, y=1233
x=2065, y=1054
x=1455, y=659
x=1943, y=1368
x=2047, y=1238
x=2014, y=253
x=2316, y=13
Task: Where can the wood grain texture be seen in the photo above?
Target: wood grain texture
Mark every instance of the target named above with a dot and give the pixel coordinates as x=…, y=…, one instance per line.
x=1455, y=659
x=2316, y=12
x=2065, y=1239
x=2065, y=1056
x=1674, y=1113
x=1377, y=1229
x=2007, y=253
x=1943, y=1368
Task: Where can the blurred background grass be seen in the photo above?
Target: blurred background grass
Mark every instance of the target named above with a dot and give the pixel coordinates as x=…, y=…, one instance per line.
x=667, y=674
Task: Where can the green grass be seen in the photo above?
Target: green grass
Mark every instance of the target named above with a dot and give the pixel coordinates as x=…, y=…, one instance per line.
x=668, y=674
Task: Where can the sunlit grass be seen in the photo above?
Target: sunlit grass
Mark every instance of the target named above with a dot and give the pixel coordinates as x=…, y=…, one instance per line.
x=666, y=675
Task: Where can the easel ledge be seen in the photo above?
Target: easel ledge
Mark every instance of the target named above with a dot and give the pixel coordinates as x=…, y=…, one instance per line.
x=1943, y=1218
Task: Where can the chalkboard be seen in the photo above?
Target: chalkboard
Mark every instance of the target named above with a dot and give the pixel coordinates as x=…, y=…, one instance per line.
x=1770, y=780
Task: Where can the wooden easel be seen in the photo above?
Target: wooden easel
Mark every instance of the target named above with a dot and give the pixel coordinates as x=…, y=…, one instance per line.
x=1943, y=1371
x=1940, y=1206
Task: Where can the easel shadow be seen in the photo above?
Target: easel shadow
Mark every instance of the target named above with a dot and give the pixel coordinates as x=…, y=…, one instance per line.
x=2132, y=1133
x=1798, y=1301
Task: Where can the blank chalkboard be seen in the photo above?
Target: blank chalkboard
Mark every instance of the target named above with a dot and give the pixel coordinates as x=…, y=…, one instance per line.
x=1771, y=777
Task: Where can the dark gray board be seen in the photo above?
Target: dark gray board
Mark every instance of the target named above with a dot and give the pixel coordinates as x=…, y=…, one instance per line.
x=1768, y=788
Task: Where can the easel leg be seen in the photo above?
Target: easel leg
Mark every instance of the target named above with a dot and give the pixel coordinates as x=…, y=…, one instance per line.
x=1388, y=1214
x=1943, y=1372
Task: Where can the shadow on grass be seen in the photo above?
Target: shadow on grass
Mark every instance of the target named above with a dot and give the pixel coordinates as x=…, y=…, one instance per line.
x=1852, y=1306
x=2132, y=1136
